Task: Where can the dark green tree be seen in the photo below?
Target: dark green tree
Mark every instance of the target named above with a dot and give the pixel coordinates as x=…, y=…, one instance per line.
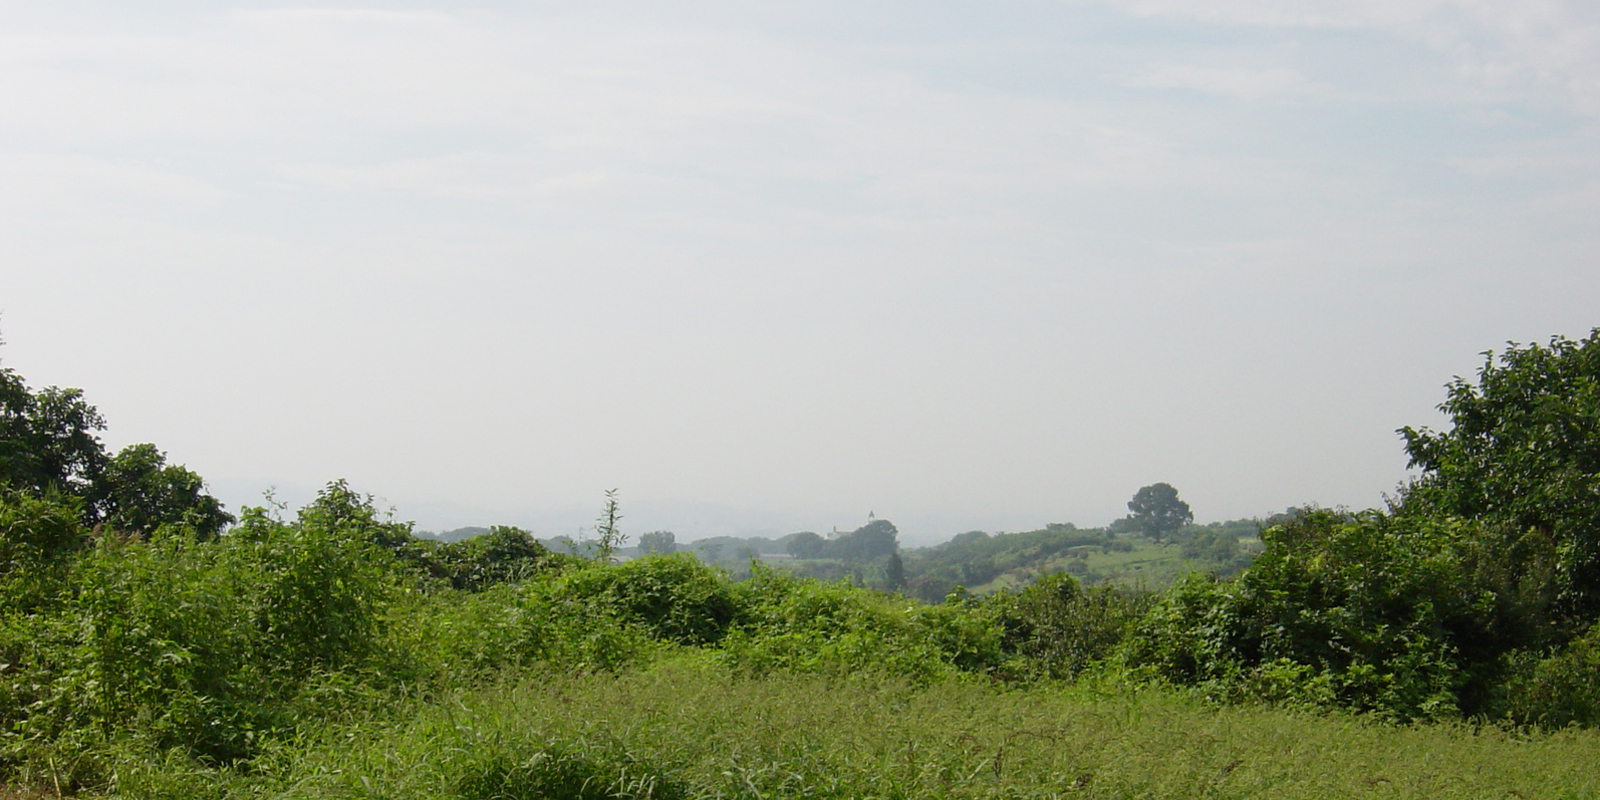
x=1523, y=452
x=658, y=542
x=48, y=439
x=894, y=571
x=804, y=544
x=503, y=554
x=870, y=542
x=1368, y=611
x=1157, y=510
x=138, y=491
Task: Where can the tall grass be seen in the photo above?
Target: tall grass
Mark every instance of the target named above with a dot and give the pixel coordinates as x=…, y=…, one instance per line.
x=690, y=728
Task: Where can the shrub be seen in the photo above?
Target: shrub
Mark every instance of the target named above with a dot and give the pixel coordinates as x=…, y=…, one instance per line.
x=1056, y=629
x=1372, y=605
x=503, y=554
x=798, y=624
x=38, y=537
x=171, y=648
x=675, y=597
x=322, y=591
x=1559, y=689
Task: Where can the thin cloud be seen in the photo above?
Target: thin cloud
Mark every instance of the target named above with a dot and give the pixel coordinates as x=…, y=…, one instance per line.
x=1242, y=84
x=55, y=183
x=1543, y=47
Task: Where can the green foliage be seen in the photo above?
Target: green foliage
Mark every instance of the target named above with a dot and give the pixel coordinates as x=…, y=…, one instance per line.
x=50, y=447
x=1214, y=548
x=1375, y=609
x=608, y=537
x=209, y=647
x=976, y=558
x=804, y=544
x=1157, y=511
x=1056, y=629
x=1523, y=452
x=323, y=591
x=38, y=536
x=502, y=554
x=658, y=543
x=138, y=491
x=172, y=647
x=1559, y=689
x=875, y=540
x=205, y=646
x=674, y=597
x=797, y=624
x=48, y=439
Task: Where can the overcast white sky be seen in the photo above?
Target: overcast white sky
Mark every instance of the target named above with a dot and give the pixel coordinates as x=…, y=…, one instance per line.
x=766, y=267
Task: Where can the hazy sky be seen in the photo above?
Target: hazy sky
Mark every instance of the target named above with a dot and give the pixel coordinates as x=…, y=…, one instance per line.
x=768, y=266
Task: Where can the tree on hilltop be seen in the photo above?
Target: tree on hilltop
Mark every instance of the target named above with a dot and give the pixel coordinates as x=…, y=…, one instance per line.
x=1157, y=511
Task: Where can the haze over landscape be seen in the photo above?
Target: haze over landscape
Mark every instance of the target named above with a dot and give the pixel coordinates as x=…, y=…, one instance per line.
x=769, y=269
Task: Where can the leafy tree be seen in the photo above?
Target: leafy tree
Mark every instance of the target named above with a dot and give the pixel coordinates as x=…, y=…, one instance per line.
x=660, y=542
x=804, y=544
x=894, y=571
x=342, y=510
x=1369, y=611
x=1523, y=451
x=1158, y=511
x=48, y=439
x=870, y=542
x=139, y=491
x=503, y=554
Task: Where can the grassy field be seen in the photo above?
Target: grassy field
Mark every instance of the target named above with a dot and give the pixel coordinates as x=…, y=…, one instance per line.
x=1149, y=566
x=689, y=728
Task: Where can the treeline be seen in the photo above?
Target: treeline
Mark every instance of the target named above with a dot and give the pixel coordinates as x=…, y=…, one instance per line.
x=872, y=557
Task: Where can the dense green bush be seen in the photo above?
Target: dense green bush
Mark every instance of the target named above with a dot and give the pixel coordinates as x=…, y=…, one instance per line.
x=797, y=624
x=1367, y=609
x=1559, y=689
x=1056, y=629
x=172, y=648
x=38, y=537
x=502, y=554
x=674, y=596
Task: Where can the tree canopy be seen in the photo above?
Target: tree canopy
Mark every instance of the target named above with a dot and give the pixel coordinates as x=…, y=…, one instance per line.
x=1157, y=510
x=1523, y=453
x=50, y=445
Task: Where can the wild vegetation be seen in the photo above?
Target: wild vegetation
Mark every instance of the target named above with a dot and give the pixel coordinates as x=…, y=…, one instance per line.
x=1446, y=646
